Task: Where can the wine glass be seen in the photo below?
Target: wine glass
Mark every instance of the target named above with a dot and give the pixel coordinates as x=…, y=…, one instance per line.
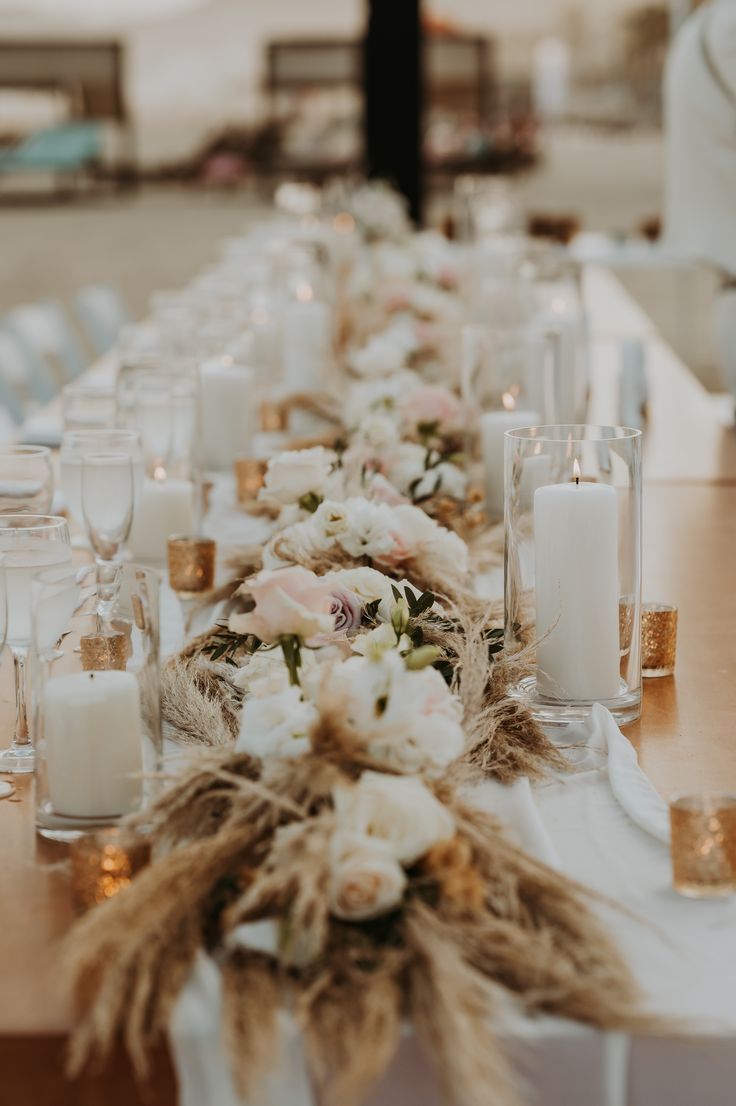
x=88, y=405
x=76, y=443
x=28, y=543
x=26, y=479
x=108, y=495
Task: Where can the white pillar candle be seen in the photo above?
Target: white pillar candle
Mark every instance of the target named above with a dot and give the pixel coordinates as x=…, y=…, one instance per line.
x=493, y=426
x=577, y=591
x=306, y=342
x=165, y=507
x=228, y=411
x=563, y=323
x=93, y=744
x=536, y=471
x=632, y=384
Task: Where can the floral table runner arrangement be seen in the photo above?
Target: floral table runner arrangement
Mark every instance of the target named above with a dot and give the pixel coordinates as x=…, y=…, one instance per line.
x=323, y=842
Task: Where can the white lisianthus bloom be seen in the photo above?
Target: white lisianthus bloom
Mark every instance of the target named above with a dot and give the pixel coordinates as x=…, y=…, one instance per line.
x=405, y=465
x=296, y=473
x=378, y=431
x=393, y=262
x=415, y=534
x=399, y=810
x=378, y=395
x=410, y=720
x=264, y=674
x=277, y=725
x=368, y=530
x=380, y=356
x=366, y=880
x=328, y=524
x=444, y=477
x=377, y=641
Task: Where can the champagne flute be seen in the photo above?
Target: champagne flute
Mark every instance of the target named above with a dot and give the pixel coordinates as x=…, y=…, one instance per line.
x=108, y=494
x=28, y=544
x=26, y=479
x=76, y=443
x=55, y=594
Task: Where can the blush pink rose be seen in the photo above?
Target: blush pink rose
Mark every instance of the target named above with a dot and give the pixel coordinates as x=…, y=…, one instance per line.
x=431, y=404
x=287, y=601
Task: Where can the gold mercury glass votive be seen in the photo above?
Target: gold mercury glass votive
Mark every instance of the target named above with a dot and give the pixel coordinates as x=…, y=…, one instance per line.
x=272, y=416
x=249, y=476
x=658, y=639
x=108, y=649
x=104, y=862
x=704, y=845
x=191, y=564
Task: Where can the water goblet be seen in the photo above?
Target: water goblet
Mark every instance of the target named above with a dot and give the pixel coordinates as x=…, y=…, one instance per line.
x=108, y=495
x=77, y=443
x=28, y=544
x=26, y=479
x=55, y=595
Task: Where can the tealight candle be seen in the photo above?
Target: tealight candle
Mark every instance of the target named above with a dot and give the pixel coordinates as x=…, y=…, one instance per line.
x=577, y=590
x=165, y=507
x=249, y=476
x=493, y=426
x=228, y=412
x=104, y=863
x=93, y=744
x=306, y=342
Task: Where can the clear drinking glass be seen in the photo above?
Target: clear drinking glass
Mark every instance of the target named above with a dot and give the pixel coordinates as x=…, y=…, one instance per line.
x=26, y=479
x=573, y=568
x=55, y=595
x=28, y=544
x=108, y=495
x=88, y=406
x=76, y=443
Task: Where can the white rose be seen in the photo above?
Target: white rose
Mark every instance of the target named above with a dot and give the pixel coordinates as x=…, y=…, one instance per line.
x=399, y=810
x=296, y=473
x=366, y=879
x=277, y=725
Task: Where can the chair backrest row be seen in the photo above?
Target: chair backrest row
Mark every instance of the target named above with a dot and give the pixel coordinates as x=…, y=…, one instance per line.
x=40, y=351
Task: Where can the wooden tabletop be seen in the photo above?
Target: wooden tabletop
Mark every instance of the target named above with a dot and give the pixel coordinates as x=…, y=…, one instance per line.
x=686, y=737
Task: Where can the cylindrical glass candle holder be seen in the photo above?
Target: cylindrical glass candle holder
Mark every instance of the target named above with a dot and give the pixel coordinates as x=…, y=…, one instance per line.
x=658, y=639
x=703, y=845
x=99, y=731
x=507, y=381
x=573, y=568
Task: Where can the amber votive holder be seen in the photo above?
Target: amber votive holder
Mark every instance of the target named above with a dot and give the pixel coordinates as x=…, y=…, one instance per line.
x=191, y=564
x=658, y=639
x=108, y=649
x=272, y=416
x=250, y=473
x=703, y=845
x=105, y=862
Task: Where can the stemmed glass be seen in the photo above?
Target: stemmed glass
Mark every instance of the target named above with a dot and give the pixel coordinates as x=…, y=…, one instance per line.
x=26, y=479
x=77, y=443
x=28, y=544
x=108, y=494
x=88, y=406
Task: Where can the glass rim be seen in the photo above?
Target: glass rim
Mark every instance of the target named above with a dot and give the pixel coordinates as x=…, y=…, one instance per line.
x=99, y=387
x=107, y=457
x=11, y=450
x=91, y=433
x=569, y=433
x=31, y=522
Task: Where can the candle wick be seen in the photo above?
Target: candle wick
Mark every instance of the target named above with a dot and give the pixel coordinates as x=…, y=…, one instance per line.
x=577, y=479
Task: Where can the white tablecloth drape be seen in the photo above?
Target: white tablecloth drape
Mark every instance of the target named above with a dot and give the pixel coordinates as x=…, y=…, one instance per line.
x=604, y=825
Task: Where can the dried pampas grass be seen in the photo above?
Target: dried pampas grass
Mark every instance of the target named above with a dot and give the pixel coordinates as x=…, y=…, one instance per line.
x=251, y=842
x=199, y=701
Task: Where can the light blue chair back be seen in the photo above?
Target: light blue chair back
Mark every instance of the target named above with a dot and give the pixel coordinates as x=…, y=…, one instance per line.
x=43, y=328
x=102, y=314
x=25, y=379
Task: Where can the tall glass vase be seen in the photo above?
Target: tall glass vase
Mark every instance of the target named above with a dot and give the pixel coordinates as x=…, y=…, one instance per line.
x=573, y=568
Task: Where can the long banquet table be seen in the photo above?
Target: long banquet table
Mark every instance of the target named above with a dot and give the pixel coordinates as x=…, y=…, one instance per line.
x=685, y=738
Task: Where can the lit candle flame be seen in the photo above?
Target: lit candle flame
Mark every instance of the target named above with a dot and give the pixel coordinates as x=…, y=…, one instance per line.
x=304, y=293
x=508, y=401
x=576, y=470
x=159, y=472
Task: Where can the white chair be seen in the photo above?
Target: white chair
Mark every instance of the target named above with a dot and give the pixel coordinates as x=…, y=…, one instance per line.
x=25, y=381
x=44, y=329
x=102, y=314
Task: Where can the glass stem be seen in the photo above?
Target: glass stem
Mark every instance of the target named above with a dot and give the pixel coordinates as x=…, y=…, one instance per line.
x=21, y=714
x=107, y=590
